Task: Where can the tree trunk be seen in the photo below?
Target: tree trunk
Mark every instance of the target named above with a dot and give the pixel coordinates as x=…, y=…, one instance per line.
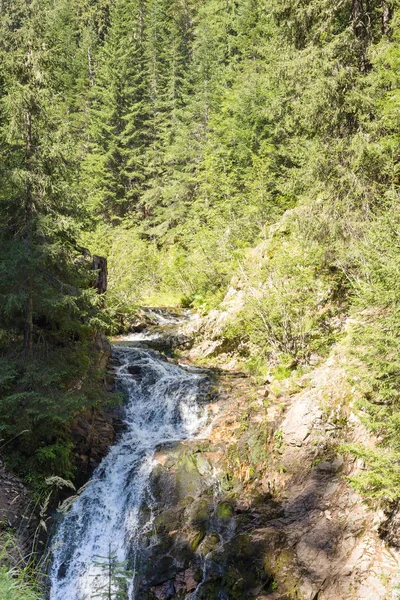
x=100, y=265
x=359, y=19
x=387, y=13
x=28, y=326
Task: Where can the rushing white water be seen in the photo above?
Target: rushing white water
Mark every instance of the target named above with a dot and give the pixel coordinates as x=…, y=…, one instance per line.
x=162, y=406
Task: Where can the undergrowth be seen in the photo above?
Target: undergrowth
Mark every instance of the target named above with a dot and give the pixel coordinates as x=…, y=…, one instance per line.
x=18, y=576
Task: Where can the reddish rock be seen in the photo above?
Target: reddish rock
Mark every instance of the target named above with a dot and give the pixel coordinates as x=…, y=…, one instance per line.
x=180, y=584
x=190, y=580
x=166, y=591
x=92, y=432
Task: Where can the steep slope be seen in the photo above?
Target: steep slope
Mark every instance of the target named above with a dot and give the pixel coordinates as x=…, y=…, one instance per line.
x=261, y=506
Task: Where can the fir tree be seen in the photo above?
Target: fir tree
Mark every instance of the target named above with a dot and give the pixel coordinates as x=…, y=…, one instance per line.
x=116, y=575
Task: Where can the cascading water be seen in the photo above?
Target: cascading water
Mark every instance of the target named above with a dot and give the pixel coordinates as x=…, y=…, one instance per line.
x=163, y=405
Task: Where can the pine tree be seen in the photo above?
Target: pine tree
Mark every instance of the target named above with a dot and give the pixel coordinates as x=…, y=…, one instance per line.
x=48, y=312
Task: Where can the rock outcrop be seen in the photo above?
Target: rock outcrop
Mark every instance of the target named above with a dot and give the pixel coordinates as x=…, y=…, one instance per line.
x=14, y=502
x=263, y=508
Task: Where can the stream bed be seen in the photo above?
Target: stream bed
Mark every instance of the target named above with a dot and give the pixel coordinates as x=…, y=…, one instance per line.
x=163, y=405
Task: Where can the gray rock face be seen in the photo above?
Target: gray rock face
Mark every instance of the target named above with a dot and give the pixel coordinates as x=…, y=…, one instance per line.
x=253, y=514
x=14, y=504
x=300, y=419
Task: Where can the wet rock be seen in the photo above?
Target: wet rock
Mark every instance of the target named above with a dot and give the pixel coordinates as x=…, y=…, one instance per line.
x=166, y=591
x=135, y=371
x=162, y=569
x=190, y=580
x=138, y=326
x=93, y=432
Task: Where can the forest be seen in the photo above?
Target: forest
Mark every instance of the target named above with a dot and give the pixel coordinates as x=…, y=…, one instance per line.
x=196, y=143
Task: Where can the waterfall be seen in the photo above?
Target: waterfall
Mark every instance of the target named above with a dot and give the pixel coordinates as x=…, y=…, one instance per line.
x=162, y=405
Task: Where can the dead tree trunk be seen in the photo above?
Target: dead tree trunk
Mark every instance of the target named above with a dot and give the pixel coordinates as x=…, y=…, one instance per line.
x=387, y=14
x=99, y=264
x=28, y=325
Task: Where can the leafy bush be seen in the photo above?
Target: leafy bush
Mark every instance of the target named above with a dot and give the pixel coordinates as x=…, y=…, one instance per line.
x=288, y=304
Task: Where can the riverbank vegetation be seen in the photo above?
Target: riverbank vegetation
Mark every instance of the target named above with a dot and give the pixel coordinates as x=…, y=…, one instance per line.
x=18, y=580
x=196, y=144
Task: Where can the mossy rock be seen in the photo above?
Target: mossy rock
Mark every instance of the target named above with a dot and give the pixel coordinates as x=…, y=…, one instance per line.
x=200, y=513
x=163, y=486
x=169, y=520
x=245, y=556
x=227, y=482
x=235, y=584
x=161, y=568
x=210, y=542
x=281, y=565
x=210, y=590
x=186, y=501
x=258, y=450
x=188, y=478
x=225, y=510
x=196, y=541
x=203, y=465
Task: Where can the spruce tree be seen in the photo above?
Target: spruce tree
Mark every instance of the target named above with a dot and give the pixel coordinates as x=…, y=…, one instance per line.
x=169, y=50
x=39, y=209
x=48, y=312
x=115, y=168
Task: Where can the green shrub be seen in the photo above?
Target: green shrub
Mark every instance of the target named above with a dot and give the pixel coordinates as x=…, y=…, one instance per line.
x=38, y=399
x=288, y=300
x=14, y=586
x=374, y=340
x=18, y=580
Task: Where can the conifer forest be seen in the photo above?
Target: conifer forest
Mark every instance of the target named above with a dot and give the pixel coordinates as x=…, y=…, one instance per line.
x=213, y=186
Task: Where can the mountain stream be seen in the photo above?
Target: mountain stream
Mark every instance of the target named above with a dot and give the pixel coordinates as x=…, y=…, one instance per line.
x=163, y=404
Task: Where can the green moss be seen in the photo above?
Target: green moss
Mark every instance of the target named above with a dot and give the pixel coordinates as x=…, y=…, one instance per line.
x=257, y=443
x=226, y=482
x=169, y=520
x=199, y=513
x=210, y=590
x=187, y=475
x=210, y=543
x=187, y=501
x=225, y=510
x=196, y=541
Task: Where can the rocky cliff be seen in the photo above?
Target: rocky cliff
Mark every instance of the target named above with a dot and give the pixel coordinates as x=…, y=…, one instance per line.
x=263, y=506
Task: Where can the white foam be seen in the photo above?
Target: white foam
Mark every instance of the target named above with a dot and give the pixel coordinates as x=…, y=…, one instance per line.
x=162, y=406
